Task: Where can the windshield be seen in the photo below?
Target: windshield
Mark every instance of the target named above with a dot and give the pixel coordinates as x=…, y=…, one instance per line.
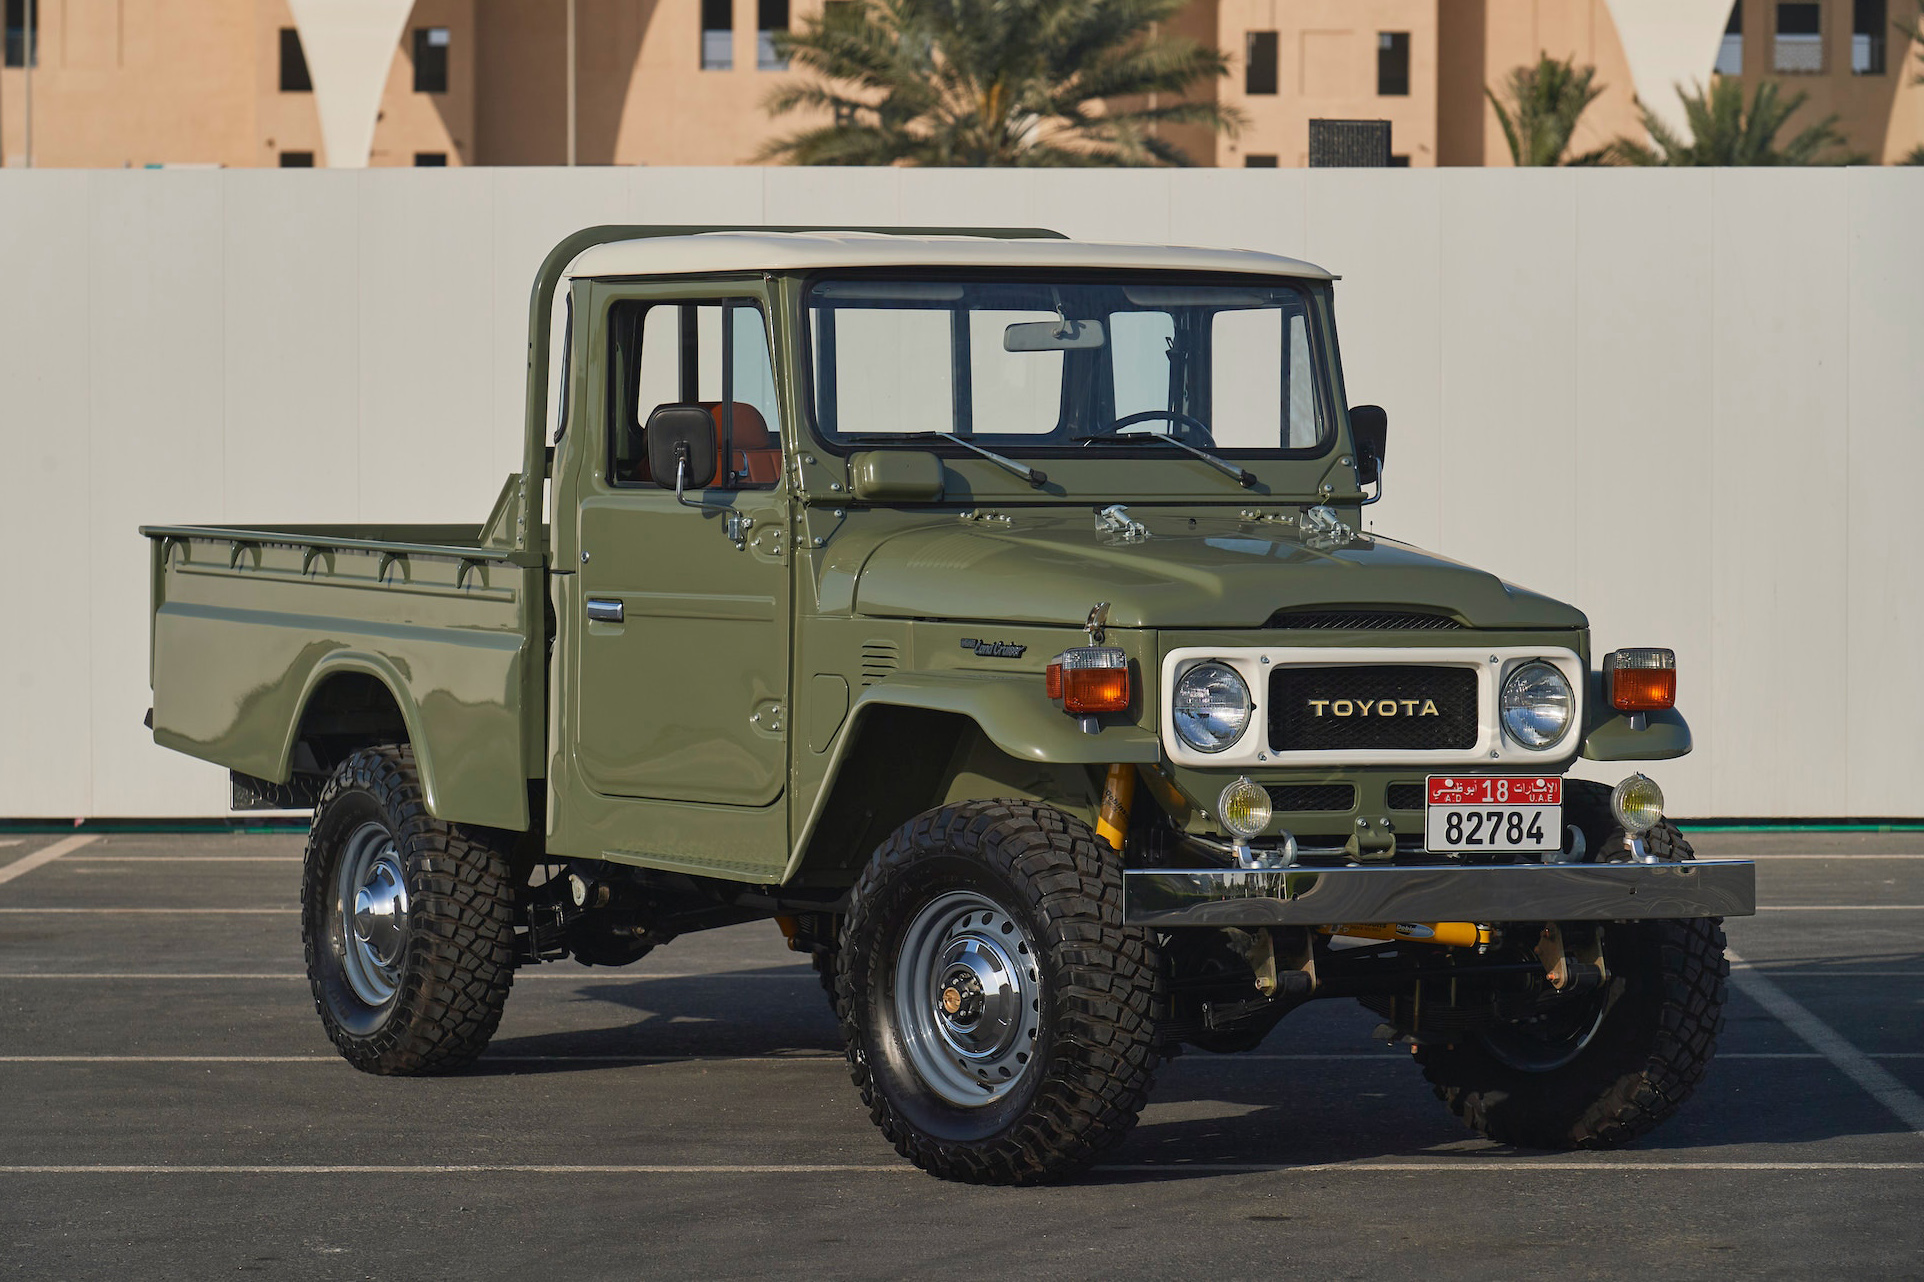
x=1067, y=363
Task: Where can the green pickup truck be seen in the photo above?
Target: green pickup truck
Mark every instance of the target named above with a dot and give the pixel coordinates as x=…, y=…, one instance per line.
x=993, y=612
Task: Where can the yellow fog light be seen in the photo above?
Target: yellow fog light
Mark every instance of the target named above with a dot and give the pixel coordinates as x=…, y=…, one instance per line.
x=1244, y=807
x=1638, y=804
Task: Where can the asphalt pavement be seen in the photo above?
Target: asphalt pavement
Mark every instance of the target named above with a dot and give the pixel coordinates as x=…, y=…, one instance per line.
x=169, y=1107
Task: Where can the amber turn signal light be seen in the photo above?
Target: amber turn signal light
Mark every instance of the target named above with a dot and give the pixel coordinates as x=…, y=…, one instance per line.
x=1641, y=680
x=1090, y=678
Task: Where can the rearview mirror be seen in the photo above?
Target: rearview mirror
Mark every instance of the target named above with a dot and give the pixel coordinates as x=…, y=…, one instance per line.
x=681, y=437
x=1052, y=336
x=1369, y=427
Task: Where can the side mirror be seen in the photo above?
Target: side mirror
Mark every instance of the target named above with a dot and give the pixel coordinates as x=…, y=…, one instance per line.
x=681, y=447
x=1369, y=428
x=896, y=476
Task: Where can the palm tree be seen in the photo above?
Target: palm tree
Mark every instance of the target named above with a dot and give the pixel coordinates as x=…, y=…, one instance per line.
x=1726, y=132
x=1539, y=111
x=995, y=82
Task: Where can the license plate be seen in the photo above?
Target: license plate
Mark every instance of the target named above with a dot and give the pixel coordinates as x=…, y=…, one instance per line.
x=1494, y=812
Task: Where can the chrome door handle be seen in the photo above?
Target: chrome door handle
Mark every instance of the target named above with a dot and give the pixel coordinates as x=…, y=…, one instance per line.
x=601, y=611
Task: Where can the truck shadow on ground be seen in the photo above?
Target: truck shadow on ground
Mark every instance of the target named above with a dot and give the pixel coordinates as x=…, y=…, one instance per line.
x=1215, y=1108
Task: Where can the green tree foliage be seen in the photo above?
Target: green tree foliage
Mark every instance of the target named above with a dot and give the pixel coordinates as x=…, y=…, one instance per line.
x=995, y=82
x=1724, y=130
x=1539, y=109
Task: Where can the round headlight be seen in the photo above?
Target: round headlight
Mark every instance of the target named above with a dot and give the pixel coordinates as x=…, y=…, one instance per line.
x=1637, y=804
x=1211, y=707
x=1244, y=807
x=1537, y=705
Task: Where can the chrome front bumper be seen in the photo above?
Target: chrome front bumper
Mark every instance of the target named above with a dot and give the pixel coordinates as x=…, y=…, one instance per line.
x=1484, y=893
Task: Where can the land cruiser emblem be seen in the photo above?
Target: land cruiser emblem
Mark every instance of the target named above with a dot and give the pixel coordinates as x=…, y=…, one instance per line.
x=993, y=649
x=1375, y=707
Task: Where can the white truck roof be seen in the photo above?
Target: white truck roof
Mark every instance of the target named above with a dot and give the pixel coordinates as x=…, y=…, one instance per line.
x=760, y=251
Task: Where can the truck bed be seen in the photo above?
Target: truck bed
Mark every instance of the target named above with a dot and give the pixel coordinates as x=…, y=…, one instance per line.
x=267, y=641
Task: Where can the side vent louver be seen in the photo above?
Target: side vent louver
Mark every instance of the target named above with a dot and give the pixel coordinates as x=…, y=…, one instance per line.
x=879, y=659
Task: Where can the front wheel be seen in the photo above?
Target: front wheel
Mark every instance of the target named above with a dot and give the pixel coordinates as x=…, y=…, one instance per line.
x=407, y=922
x=998, y=1016
x=1596, y=1070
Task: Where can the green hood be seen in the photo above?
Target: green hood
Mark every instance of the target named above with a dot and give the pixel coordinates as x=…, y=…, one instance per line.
x=1212, y=573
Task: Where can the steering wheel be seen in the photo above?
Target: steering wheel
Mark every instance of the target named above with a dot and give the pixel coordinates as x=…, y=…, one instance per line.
x=1185, y=423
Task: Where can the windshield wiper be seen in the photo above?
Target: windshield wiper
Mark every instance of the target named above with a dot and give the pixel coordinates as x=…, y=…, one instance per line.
x=1243, y=478
x=1034, y=476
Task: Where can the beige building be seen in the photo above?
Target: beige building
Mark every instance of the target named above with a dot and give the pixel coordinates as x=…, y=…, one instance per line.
x=681, y=82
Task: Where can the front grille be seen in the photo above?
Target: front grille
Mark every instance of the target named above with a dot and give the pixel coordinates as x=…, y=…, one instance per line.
x=1361, y=621
x=1341, y=708
x=1408, y=796
x=1312, y=796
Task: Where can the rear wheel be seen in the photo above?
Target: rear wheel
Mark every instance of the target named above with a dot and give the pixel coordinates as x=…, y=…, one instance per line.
x=407, y=922
x=998, y=1015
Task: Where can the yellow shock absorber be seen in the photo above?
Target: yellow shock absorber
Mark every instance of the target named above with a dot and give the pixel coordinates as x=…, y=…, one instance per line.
x=1452, y=934
x=1118, y=795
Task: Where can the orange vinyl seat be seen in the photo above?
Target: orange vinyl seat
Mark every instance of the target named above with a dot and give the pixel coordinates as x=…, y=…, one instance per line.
x=753, y=457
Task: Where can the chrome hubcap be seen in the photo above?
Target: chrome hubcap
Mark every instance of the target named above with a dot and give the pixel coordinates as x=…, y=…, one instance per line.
x=968, y=995
x=371, y=892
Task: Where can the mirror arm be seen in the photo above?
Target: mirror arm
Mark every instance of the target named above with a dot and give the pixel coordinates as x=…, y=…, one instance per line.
x=1378, y=496
x=729, y=514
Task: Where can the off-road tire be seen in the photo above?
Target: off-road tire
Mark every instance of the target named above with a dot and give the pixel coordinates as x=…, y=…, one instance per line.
x=458, y=960
x=1093, y=1059
x=1656, y=1040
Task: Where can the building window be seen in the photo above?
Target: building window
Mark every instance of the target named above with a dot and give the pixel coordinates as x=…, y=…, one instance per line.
x=771, y=20
x=430, y=60
x=22, y=14
x=1399, y=162
x=717, y=35
x=1730, y=53
x=294, y=77
x=1259, y=162
x=1800, y=39
x=1393, y=64
x=297, y=160
x=1869, y=23
x=844, y=116
x=1259, y=62
x=430, y=160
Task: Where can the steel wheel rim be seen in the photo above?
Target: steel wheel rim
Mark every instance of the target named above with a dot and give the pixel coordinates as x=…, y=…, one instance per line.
x=371, y=914
x=968, y=999
x=1521, y=1050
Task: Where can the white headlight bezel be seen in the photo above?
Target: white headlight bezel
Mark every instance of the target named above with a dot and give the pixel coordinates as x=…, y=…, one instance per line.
x=1503, y=705
x=1249, y=707
x=1493, y=664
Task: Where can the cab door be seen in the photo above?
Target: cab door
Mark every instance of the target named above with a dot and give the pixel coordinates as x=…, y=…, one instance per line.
x=682, y=647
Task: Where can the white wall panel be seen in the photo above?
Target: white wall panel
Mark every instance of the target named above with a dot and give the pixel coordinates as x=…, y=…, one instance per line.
x=1692, y=403
x=156, y=440
x=1643, y=402
x=424, y=318
x=1885, y=447
x=47, y=511
x=1381, y=236
x=1780, y=334
x=1507, y=475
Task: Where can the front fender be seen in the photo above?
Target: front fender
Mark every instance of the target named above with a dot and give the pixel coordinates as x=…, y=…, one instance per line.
x=1664, y=735
x=1015, y=713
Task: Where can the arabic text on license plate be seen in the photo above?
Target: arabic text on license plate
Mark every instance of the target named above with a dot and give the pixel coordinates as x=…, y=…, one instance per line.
x=1494, y=812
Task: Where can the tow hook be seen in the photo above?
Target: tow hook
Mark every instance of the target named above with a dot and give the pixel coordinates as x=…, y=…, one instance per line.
x=1575, y=966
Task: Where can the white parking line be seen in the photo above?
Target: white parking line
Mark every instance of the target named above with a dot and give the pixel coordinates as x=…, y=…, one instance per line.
x=1544, y=1166
x=188, y=859
x=1840, y=908
x=11, y=841
x=1853, y=1063
x=45, y=855
x=173, y=912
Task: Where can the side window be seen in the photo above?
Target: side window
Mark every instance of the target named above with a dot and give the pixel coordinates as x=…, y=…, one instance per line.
x=713, y=354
